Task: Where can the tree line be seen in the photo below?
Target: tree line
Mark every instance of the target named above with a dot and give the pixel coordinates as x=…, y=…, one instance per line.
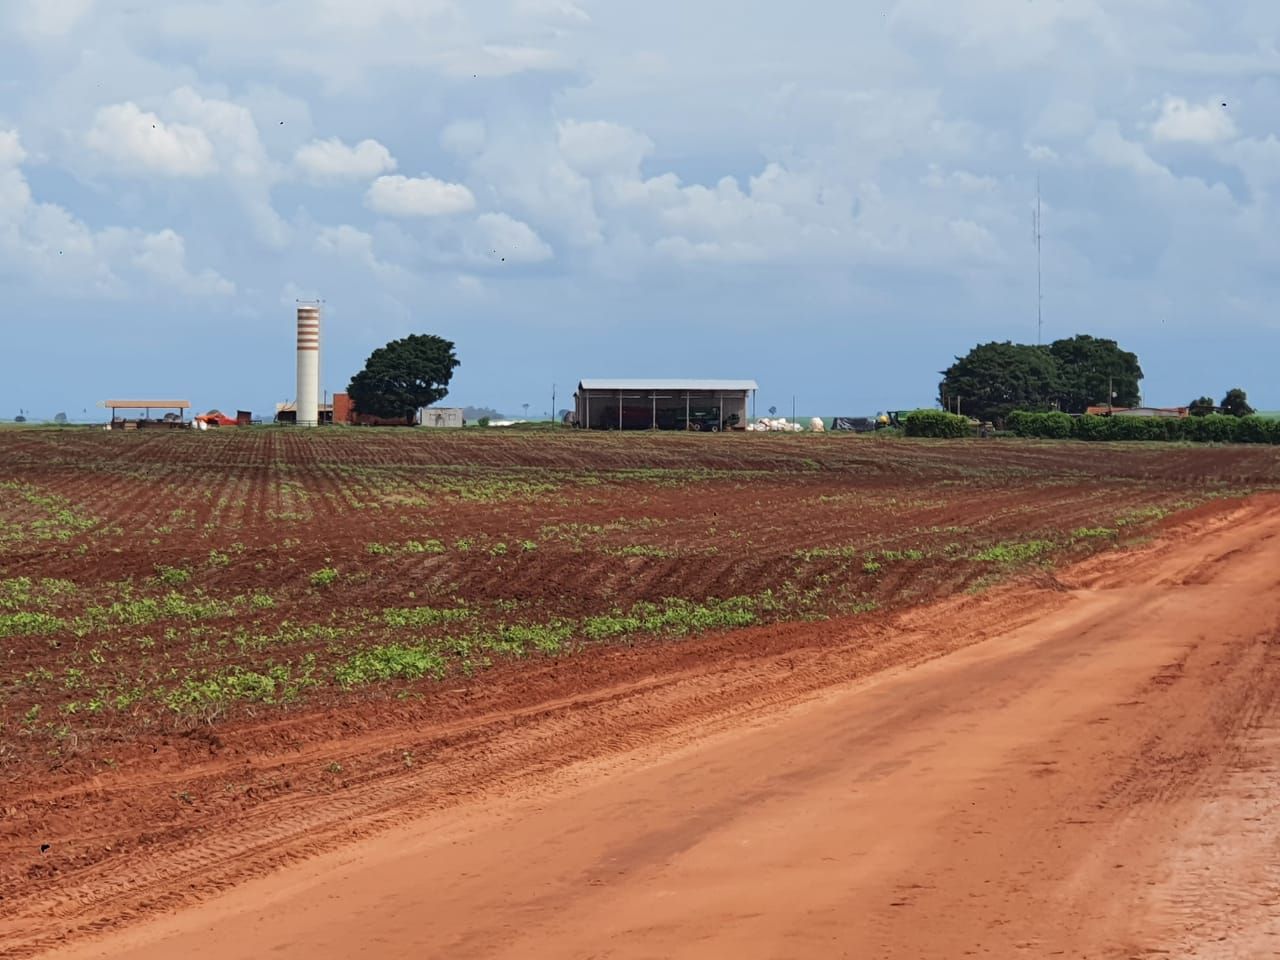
x=1069, y=376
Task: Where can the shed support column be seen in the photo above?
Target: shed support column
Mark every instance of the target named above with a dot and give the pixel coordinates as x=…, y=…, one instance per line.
x=686, y=411
x=619, y=409
x=587, y=425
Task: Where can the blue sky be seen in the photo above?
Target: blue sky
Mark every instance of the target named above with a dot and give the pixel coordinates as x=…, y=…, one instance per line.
x=832, y=198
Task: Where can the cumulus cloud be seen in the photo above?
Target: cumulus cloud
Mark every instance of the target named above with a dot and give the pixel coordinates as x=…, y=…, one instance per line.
x=463, y=137
x=51, y=18
x=493, y=61
x=140, y=142
x=598, y=147
x=961, y=180
x=499, y=237
x=45, y=241
x=564, y=11
x=1039, y=153
x=327, y=160
x=1184, y=122
x=353, y=245
x=232, y=130
x=1109, y=146
x=11, y=152
x=399, y=196
x=163, y=255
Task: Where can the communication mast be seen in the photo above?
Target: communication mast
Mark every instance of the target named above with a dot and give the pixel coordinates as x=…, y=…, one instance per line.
x=1036, y=235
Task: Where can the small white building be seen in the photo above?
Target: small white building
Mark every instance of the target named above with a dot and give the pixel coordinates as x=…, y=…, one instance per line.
x=440, y=417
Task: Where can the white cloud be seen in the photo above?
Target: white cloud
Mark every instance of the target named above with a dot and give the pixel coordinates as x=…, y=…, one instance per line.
x=11, y=152
x=43, y=241
x=499, y=238
x=140, y=142
x=599, y=147
x=463, y=137
x=51, y=17
x=418, y=197
x=232, y=130
x=1110, y=147
x=1183, y=122
x=1039, y=153
x=387, y=14
x=527, y=174
x=974, y=241
x=352, y=245
x=163, y=255
x=563, y=11
x=492, y=61
x=961, y=180
x=322, y=160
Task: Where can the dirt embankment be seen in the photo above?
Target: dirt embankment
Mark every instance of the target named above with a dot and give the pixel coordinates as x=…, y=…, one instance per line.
x=1049, y=791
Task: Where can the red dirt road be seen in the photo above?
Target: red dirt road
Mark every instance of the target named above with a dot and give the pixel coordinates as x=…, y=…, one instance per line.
x=1091, y=776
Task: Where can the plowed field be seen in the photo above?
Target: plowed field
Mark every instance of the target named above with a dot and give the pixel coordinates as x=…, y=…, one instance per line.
x=225, y=651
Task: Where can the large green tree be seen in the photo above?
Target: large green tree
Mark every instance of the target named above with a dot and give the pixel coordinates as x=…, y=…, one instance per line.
x=994, y=379
x=1236, y=403
x=1202, y=407
x=1086, y=365
x=403, y=376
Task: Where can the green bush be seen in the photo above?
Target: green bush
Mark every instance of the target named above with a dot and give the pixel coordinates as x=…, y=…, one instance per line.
x=1255, y=430
x=1049, y=426
x=1090, y=427
x=935, y=423
x=1214, y=428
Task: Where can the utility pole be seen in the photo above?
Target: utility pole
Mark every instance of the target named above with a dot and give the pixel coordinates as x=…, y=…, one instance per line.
x=553, y=403
x=1036, y=233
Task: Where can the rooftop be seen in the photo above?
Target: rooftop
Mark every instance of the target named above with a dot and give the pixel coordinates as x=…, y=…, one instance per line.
x=148, y=404
x=725, y=386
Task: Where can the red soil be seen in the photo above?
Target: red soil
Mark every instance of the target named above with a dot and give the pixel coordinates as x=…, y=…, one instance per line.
x=183, y=811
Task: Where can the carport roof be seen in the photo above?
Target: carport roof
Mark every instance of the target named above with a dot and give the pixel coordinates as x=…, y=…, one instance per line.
x=720, y=386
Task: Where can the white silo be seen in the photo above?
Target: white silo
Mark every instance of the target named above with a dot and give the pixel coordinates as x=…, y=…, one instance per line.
x=308, y=410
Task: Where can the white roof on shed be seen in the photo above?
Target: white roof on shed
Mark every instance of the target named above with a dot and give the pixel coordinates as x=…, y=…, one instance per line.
x=724, y=386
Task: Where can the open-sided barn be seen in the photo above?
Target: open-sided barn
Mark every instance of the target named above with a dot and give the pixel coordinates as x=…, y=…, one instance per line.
x=710, y=405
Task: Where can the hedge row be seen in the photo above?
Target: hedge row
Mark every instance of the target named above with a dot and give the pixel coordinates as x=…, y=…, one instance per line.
x=1215, y=428
x=935, y=423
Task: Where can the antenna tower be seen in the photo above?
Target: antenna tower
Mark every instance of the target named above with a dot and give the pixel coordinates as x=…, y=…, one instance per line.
x=1036, y=234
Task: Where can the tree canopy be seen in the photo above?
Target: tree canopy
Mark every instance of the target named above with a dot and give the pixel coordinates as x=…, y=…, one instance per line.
x=1087, y=365
x=1202, y=407
x=403, y=376
x=1236, y=404
x=994, y=379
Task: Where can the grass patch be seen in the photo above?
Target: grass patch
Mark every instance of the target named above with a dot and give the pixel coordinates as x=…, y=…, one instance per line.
x=392, y=661
x=1014, y=552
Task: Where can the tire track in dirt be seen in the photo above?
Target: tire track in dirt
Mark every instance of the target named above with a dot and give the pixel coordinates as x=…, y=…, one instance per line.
x=475, y=758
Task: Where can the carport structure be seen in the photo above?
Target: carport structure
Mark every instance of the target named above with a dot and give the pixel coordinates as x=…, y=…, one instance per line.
x=146, y=406
x=710, y=405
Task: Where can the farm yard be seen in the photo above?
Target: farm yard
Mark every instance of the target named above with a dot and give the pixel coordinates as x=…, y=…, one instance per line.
x=294, y=637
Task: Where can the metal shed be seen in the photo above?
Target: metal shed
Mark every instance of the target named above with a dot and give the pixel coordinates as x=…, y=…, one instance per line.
x=710, y=405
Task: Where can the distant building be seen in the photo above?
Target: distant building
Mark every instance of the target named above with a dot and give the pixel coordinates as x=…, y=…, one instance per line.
x=344, y=411
x=710, y=405
x=288, y=412
x=441, y=417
